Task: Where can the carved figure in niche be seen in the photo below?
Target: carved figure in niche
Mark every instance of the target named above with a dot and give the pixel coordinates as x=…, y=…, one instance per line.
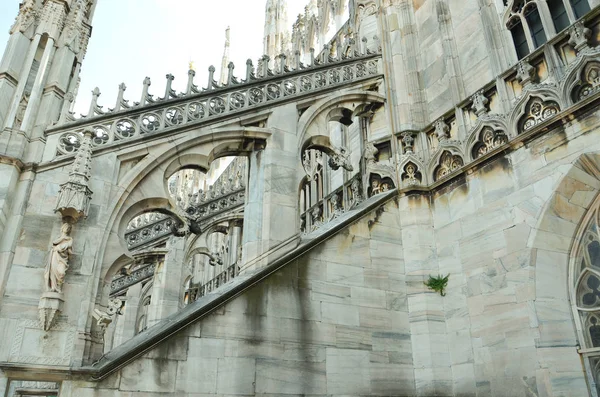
x=370, y=153
x=316, y=217
x=355, y=188
x=337, y=207
x=58, y=260
x=375, y=188
x=411, y=175
x=380, y=185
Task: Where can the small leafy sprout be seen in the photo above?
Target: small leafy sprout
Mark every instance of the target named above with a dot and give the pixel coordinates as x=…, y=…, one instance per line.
x=437, y=284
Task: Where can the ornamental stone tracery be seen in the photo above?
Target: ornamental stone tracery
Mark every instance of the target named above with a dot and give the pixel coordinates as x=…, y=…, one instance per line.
x=489, y=139
x=447, y=164
x=536, y=112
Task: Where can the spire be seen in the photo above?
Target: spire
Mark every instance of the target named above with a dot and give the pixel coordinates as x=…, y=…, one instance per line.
x=225, y=61
x=276, y=34
x=75, y=195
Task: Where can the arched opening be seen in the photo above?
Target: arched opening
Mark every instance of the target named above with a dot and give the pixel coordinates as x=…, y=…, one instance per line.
x=536, y=27
x=560, y=18
x=518, y=35
x=585, y=291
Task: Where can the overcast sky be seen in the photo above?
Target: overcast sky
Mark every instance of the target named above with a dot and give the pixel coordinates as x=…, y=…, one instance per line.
x=133, y=39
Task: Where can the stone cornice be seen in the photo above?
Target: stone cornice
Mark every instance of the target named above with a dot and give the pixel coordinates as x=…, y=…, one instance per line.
x=7, y=76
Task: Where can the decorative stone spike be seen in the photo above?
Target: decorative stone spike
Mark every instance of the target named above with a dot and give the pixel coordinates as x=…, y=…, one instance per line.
x=249, y=70
x=120, y=100
x=169, y=92
x=326, y=53
x=75, y=195
x=190, y=83
x=339, y=51
x=282, y=59
x=211, y=77
x=145, y=96
x=441, y=130
x=230, y=77
x=312, y=57
x=525, y=73
x=65, y=114
x=364, y=49
x=579, y=36
x=297, y=60
x=94, y=103
x=265, y=66
x=479, y=103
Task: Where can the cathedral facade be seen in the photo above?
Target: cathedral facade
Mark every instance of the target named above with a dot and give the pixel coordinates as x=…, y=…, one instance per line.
x=400, y=198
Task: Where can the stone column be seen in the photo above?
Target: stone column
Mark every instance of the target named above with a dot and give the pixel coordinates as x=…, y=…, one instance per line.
x=272, y=194
x=167, y=287
x=12, y=112
x=38, y=86
x=125, y=327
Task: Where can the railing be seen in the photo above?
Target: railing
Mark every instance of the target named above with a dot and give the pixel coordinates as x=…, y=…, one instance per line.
x=196, y=106
x=143, y=273
x=150, y=233
x=342, y=199
x=194, y=293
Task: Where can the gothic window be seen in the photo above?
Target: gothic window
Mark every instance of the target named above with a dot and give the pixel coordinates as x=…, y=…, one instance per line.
x=580, y=7
x=532, y=16
x=559, y=14
x=519, y=38
x=586, y=296
x=533, y=22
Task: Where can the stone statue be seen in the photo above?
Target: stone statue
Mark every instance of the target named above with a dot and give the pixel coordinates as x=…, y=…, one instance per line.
x=58, y=260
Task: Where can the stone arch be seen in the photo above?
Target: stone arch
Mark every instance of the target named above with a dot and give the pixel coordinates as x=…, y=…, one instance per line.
x=582, y=80
x=553, y=243
x=475, y=137
x=318, y=112
x=447, y=159
x=153, y=204
x=486, y=139
x=152, y=164
x=533, y=108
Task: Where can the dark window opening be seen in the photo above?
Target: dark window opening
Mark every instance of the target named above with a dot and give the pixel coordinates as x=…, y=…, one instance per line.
x=519, y=39
x=580, y=7
x=536, y=28
x=560, y=18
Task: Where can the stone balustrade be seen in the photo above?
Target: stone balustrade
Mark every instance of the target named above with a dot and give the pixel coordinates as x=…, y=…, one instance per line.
x=197, y=106
x=194, y=293
x=138, y=275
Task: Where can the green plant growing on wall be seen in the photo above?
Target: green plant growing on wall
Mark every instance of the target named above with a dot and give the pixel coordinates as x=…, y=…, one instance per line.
x=437, y=284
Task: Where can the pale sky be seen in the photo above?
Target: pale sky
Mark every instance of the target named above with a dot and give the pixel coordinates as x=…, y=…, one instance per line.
x=133, y=39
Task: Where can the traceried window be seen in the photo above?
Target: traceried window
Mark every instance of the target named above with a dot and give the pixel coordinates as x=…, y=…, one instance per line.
x=586, y=284
x=532, y=22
